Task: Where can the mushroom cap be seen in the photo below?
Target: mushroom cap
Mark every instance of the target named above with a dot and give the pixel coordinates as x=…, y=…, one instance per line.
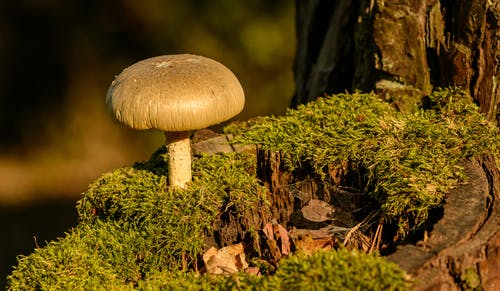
x=175, y=93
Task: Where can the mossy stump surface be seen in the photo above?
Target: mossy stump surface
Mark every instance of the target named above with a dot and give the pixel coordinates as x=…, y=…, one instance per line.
x=379, y=178
x=457, y=226
x=465, y=239
x=466, y=234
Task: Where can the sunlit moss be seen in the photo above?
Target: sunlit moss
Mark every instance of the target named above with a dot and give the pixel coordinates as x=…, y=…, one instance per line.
x=337, y=270
x=132, y=224
x=136, y=233
x=409, y=160
x=470, y=279
x=324, y=270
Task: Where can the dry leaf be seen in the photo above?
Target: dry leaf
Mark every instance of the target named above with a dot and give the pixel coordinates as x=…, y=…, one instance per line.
x=227, y=260
x=308, y=245
x=253, y=271
x=285, y=240
x=209, y=258
x=274, y=232
x=317, y=211
x=268, y=231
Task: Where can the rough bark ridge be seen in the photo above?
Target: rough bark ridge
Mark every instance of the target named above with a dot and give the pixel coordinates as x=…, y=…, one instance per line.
x=463, y=249
x=393, y=46
x=405, y=48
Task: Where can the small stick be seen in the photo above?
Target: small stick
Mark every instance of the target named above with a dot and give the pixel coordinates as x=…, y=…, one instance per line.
x=378, y=235
x=357, y=226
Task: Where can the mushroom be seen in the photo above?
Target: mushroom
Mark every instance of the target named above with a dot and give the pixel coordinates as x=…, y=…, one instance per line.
x=176, y=94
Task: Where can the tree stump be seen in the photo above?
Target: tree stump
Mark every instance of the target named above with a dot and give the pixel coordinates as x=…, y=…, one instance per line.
x=398, y=48
x=401, y=50
x=461, y=251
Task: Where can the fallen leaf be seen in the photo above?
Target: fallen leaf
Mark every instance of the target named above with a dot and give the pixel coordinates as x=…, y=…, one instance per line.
x=268, y=231
x=308, y=245
x=285, y=240
x=317, y=211
x=227, y=260
x=253, y=271
x=275, y=233
x=210, y=260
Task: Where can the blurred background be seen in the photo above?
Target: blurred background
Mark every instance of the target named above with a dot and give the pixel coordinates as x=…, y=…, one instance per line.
x=57, y=59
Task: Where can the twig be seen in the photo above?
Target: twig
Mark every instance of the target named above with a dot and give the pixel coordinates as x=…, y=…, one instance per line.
x=357, y=226
x=378, y=235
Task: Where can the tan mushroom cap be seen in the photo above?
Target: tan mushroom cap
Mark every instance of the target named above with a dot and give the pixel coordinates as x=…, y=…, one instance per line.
x=175, y=93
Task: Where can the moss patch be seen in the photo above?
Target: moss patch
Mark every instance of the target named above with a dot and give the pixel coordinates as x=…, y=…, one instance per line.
x=136, y=233
x=408, y=161
x=324, y=270
x=132, y=224
x=86, y=260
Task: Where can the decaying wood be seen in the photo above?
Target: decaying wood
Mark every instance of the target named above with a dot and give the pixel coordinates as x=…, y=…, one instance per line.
x=462, y=248
x=271, y=171
x=396, y=48
x=461, y=251
x=230, y=228
x=293, y=196
x=466, y=240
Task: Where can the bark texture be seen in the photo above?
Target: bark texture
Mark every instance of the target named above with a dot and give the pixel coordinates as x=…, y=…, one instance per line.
x=392, y=46
x=402, y=50
x=463, y=249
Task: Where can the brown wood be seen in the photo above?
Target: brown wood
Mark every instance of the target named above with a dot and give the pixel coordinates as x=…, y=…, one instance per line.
x=407, y=48
x=461, y=251
x=403, y=47
x=398, y=48
x=465, y=240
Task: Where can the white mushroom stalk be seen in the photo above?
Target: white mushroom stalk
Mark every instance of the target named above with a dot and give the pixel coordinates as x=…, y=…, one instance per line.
x=176, y=94
x=179, y=158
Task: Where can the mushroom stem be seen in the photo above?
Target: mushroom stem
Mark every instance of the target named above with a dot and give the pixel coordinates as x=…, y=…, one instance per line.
x=179, y=158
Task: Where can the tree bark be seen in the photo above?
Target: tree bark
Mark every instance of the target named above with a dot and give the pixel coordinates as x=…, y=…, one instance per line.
x=398, y=48
x=463, y=249
x=395, y=48
x=402, y=50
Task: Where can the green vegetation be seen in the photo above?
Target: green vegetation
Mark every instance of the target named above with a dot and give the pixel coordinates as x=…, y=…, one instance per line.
x=470, y=280
x=324, y=270
x=105, y=257
x=132, y=224
x=136, y=233
x=138, y=197
x=337, y=270
x=409, y=160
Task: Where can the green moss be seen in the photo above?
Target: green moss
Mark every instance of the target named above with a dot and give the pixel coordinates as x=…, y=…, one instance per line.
x=132, y=224
x=88, y=257
x=324, y=270
x=136, y=233
x=337, y=270
x=470, y=279
x=409, y=161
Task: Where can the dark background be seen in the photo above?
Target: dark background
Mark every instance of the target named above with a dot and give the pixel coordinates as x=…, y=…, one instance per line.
x=57, y=59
